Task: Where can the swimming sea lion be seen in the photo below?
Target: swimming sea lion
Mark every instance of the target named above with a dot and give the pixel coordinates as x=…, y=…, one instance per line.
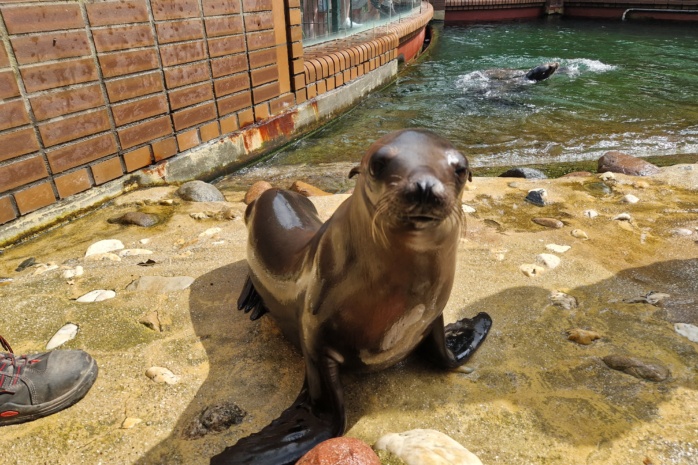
x=364, y=289
x=537, y=74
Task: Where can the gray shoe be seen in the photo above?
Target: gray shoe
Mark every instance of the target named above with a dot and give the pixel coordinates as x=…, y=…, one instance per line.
x=34, y=386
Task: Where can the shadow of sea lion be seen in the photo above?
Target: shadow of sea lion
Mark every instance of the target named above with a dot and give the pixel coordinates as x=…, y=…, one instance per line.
x=553, y=387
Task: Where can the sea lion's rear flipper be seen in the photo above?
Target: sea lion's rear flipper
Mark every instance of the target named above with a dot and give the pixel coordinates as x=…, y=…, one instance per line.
x=250, y=300
x=451, y=346
x=300, y=427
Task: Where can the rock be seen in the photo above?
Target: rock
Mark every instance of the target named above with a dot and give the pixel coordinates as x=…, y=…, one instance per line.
x=468, y=209
x=63, y=335
x=215, y=418
x=151, y=321
x=558, y=248
x=563, y=300
x=25, y=264
x=73, y=272
x=200, y=215
x=97, y=295
x=148, y=262
x=549, y=260
x=307, y=189
x=687, y=330
x=210, y=232
x=590, y=213
x=629, y=198
x=161, y=375
x=537, y=197
x=255, y=191
x=637, y=367
x=608, y=176
x=619, y=162
x=527, y=173
x=623, y=217
x=548, y=222
x=531, y=270
x=199, y=191
x=682, y=232
x=425, y=447
x=582, y=336
x=103, y=256
x=160, y=283
x=134, y=252
x=130, y=423
x=340, y=451
x=145, y=241
x=135, y=218
x=579, y=234
x=652, y=298
x=44, y=268
x=578, y=174
x=105, y=246
x=5, y=281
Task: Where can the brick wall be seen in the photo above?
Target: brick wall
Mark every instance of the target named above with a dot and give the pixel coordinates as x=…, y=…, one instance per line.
x=92, y=90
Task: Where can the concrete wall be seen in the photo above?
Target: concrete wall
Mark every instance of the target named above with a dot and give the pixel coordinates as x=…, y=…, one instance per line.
x=99, y=97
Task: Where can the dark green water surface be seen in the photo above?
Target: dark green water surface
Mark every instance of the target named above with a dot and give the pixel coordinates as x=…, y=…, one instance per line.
x=622, y=86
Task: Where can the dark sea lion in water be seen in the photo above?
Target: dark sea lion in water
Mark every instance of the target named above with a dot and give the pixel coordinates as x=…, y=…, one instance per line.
x=537, y=74
x=364, y=289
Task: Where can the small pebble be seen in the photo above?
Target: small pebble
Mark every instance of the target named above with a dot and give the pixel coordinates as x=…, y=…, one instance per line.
x=683, y=232
x=582, y=336
x=687, y=330
x=5, y=281
x=26, y=264
x=425, y=446
x=145, y=241
x=537, y=197
x=130, y=423
x=468, y=209
x=161, y=375
x=215, y=418
x=549, y=222
x=63, y=335
x=579, y=234
x=199, y=191
x=105, y=246
x=97, y=295
x=558, y=248
x=549, y=260
x=630, y=198
x=607, y=176
x=637, y=367
x=210, y=232
x=199, y=216
x=590, y=213
x=623, y=217
x=144, y=220
x=531, y=270
x=73, y=272
x=563, y=300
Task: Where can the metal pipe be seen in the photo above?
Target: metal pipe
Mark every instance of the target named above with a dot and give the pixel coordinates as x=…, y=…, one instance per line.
x=652, y=10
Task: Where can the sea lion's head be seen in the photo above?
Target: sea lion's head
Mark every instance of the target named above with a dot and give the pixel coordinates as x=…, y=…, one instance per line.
x=412, y=180
x=542, y=72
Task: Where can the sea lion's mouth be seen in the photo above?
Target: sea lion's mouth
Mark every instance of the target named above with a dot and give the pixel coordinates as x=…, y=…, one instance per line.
x=422, y=221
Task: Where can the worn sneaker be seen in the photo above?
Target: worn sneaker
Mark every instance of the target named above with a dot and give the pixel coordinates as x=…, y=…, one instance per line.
x=34, y=386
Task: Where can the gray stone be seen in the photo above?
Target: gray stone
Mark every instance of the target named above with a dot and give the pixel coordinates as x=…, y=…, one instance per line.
x=637, y=367
x=199, y=191
x=215, y=418
x=537, y=197
x=135, y=218
x=619, y=162
x=527, y=173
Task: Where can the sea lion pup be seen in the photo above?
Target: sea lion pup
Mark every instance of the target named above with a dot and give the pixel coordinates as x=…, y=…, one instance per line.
x=364, y=289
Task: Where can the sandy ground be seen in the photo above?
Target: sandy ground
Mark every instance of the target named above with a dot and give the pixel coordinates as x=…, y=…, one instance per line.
x=534, y=397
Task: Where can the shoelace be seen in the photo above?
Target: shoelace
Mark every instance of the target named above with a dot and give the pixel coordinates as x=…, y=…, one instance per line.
x=17, y=364
x=5, y=345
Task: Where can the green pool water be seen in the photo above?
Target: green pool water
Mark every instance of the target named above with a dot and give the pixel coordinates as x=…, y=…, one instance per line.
x=621, y=86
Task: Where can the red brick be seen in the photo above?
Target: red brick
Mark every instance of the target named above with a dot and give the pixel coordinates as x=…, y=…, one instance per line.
x=45, y=47
x=72, y=183
x=120, y=12
x=264, y=75
x=136, y=86
x=123, y=37
x=188, y=96
x=7, y=210
x=60, y=103
x=265, y=92
x=231, y=84
x=256, y=5
x=136, y=110
x=13, y=114
x=38, y=18
x=195, y=115
x=224, y=26
x=18, y=143
x=137, y=159
x=187, y=74
x=259, y=21
x=22, y=172
x=64, y=73
x=187, y=140
x=134, y=61
x=170, y=9
x=178, y=54
x=229, y=124
x=74, y=127
x=228, y=65
x=220, y=7
x=179, y=31
x=257, y=40
x=107, y=170
x=226, y=45
x=34, y=198
x=209, y=131
x=4, y=59
x=164, y=148
x=145, y=132
x=246, y=117
x=80, y=153
x=233, y=103
x=261, y=112
x=262, y=58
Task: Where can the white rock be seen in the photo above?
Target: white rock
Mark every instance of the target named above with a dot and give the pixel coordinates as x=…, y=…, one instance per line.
x=607, y=176
x=558, y=248
x=161, y=375
x=579, y=234
x=104, y=256
x=687, y=330
x=681, y=232
x=531, y=270
x=107, y=245
x=549, y=260
x=468, y=209
x=63, y=335
x=630, y=198
x=590, y=213
x=426, y=447
x=563, y=300
x=132, y=252
x=623, y=217
x=145, y=241
x=73, y=272
x=97, y=295
x=210, y=232
x=44, y=267
x=130, y=423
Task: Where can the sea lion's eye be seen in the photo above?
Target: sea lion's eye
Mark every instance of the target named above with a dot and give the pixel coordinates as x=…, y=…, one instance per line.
x=377, y=165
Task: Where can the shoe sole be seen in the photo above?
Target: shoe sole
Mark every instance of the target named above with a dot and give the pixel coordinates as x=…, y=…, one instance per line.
x=56, y=405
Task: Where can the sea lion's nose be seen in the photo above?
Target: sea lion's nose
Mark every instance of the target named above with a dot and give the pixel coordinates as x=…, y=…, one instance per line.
x=427, y=189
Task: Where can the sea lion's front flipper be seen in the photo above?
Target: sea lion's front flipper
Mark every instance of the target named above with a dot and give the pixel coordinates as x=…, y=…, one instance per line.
x=451, y=346
x=250, y=300
x=299, y=428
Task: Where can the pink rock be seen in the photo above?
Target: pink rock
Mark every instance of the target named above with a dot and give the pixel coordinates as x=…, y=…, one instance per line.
x=619, y=162
x=340, y=451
